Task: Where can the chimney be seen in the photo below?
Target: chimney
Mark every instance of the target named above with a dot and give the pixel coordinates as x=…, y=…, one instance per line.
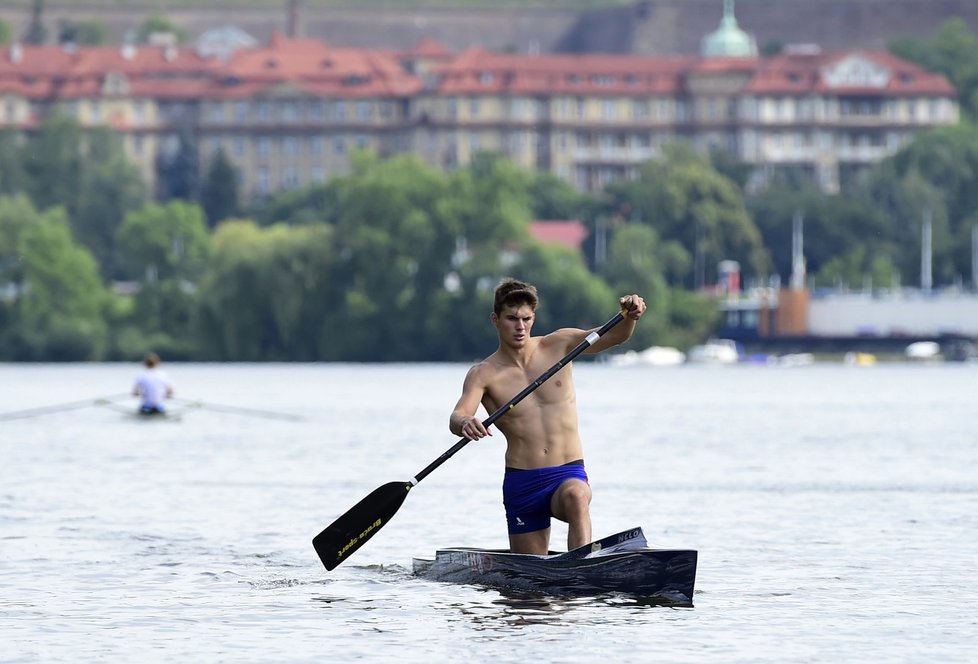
x=16, y=53
x=292, y=19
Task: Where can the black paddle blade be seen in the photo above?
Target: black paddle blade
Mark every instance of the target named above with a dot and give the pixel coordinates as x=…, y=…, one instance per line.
x=352, y=530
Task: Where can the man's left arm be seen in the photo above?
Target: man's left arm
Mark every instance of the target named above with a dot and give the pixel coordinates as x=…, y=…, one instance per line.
x=632, y=308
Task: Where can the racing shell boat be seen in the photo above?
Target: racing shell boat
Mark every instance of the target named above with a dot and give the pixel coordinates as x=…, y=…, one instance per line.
x=621, y=563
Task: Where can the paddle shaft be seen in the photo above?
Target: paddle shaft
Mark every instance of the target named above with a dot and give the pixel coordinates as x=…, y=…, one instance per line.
x=505, y=408
x=362, y=521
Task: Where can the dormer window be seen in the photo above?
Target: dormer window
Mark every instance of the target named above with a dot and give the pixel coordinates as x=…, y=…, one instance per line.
x=486, y=78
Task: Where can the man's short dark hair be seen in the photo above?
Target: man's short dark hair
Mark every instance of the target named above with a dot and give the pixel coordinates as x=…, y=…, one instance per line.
x=511, y=292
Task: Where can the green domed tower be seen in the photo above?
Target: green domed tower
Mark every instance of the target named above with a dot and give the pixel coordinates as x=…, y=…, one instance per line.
x=728, y=41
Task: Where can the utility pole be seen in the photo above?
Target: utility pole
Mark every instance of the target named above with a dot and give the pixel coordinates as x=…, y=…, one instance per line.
x=926, y=276
x=797, y=251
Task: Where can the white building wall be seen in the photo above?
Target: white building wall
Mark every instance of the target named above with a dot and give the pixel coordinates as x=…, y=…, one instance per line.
x=901, y=313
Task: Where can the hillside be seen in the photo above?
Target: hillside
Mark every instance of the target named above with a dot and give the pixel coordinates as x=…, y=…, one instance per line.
x=657, y=27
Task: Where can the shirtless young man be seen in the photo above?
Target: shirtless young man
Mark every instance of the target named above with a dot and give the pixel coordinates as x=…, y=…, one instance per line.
x=545, y=473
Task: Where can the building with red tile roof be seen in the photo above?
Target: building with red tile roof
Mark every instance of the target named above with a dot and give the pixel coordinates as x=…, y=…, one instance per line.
x=289, y=112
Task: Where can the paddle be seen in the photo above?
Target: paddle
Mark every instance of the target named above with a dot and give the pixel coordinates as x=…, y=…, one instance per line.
x=57, y=408
x=252, y=412
x=352, y=530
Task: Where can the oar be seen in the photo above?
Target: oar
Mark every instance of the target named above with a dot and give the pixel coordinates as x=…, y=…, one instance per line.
x=253, y=412
x=57, y=408
x=352, y=530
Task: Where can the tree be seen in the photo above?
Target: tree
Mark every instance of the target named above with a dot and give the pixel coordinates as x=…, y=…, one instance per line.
x=165, y=248
x=219, y=195
x=36, y=32
x=53, y=163
x=270, y=294
x=6, y=32
x=685, y=200
x=159, y=23
x=952, y=51
x=12, y=177
x=111, y=187
x=89, y=33
x=178, y=170
x=56, y=309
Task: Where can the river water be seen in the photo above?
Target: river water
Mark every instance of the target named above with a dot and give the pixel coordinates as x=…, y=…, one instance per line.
x=834, y=508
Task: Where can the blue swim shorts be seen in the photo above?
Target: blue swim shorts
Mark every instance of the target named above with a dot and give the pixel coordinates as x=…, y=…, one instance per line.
x=527, y=494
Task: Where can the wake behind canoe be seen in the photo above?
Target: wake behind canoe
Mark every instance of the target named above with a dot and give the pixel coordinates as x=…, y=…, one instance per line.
x=621, y=563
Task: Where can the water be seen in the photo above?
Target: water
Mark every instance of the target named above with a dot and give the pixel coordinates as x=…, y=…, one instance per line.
x=835, y=510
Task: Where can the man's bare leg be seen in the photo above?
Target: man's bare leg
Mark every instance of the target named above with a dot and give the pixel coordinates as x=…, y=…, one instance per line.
x=571, y=503
x=537, y=542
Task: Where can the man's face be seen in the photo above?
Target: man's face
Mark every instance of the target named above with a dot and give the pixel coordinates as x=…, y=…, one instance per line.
x=513, y=324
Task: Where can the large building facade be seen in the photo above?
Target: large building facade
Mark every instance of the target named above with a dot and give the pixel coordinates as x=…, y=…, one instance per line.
x=291, y=112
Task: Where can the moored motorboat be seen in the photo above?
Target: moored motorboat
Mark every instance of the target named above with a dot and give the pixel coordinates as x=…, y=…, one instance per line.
x=621, y=563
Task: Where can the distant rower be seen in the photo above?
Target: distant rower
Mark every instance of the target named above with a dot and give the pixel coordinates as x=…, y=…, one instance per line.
x=152, y=386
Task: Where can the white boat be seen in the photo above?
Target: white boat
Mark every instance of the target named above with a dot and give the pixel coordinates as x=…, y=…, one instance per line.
x=923, y=351
x=654, y=356
x=714, y=351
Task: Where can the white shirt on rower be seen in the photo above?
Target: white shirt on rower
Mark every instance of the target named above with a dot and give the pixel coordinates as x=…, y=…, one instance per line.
x=152, y=385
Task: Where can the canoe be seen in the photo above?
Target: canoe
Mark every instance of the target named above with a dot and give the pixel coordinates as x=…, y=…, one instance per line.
x=621, y=563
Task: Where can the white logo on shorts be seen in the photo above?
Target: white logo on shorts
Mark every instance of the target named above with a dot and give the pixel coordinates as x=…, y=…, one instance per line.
x=519, y=522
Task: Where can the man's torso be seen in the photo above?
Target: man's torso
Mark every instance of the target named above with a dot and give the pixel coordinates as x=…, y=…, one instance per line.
x=541, y=430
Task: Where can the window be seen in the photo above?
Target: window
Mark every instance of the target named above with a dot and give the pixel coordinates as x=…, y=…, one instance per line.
x=290, y=111
x=364, y=110
x=262, y=185
x=317, y=110
x=264, y=145
x=290, y=146
x=264, y=111
x=290, y=178
x=241, y=111
x=238, y=146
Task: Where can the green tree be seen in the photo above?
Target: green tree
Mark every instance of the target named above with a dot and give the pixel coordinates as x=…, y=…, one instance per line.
x=88, y=33
x=12, y=177
x=952, y=51
x=685, y=200
x=178, y=170
x=165, y=249
x=219, y=195
x=53, y=163
x=55, y=300
x=6, y=32
x=832, y=225
x=111, y=187
x=159, y=23
x=269, y=294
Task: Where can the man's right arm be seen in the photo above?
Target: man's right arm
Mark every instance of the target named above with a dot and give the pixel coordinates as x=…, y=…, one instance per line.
x=463, y=421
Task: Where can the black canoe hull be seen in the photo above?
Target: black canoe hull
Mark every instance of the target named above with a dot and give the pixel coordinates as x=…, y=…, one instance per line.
x=629, y=568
